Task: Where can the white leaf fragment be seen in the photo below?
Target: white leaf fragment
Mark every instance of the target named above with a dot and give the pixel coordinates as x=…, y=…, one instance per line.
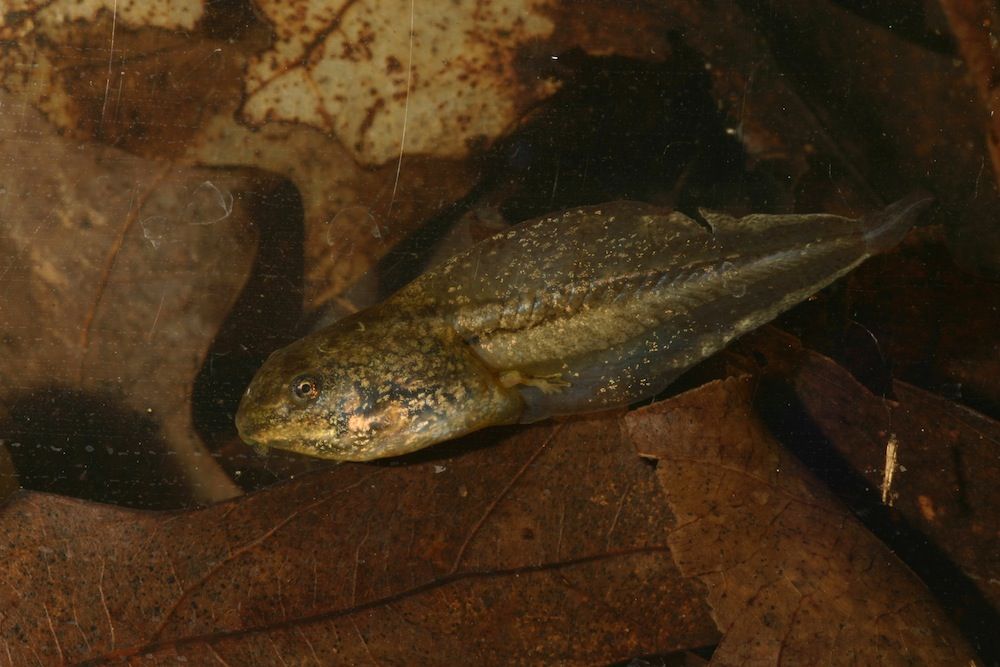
x=169, y=14
x=365, y=69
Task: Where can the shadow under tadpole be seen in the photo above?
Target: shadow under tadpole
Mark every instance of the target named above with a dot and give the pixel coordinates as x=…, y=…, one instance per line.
x=89, y=445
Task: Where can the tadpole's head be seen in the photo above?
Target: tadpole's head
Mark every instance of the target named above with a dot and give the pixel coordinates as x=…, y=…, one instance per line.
x=361, y=390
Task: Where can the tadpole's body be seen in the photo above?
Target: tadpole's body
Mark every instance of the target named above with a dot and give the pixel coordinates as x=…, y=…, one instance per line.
x=584, y=310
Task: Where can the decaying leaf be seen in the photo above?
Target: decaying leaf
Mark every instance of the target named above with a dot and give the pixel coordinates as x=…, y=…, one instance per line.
x=546, y=546
x=947, y=464
x=50, y=46
x=20, y=17
x=917, y=468
x=552, y=543
x=392, y=76
x=115, y=273
x=790, y=576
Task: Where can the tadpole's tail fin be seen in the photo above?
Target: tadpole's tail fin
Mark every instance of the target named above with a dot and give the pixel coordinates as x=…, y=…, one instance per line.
x=885, y=229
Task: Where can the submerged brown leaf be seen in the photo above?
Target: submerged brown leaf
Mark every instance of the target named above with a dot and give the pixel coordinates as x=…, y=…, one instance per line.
x=65, y=56
x=920, y=470
x=790, y=575
x=946, y=471
x=551, y=544
x=391, y=76
x=108, y=264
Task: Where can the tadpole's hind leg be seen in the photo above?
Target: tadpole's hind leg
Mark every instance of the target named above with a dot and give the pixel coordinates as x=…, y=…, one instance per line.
x=547, y=384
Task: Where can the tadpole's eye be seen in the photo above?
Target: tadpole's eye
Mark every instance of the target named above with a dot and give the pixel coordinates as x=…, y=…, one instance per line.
x=305, y=388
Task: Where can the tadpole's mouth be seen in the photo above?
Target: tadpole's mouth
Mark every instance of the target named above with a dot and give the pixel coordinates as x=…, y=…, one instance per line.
x=252, y=430
x=257, y=427
x=255, y=434
x=247, y=428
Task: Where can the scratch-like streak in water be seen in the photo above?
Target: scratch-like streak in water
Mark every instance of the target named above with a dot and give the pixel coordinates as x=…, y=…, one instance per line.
x=406, y=111
x=121, y=87
x=156, y=318
x=111, y=56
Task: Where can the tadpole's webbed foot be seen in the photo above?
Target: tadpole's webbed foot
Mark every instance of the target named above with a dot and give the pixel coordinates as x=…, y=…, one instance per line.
x=547, y=384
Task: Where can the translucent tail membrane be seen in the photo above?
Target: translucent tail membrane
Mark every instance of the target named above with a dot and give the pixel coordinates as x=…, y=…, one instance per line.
x=885, y=229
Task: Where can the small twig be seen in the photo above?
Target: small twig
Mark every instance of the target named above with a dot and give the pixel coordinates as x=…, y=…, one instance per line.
x=891, y=465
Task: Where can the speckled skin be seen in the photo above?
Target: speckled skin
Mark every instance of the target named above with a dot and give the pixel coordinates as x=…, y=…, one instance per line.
x=586, y=310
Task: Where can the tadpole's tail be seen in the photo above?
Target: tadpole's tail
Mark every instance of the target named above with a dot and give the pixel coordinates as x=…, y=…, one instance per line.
x=883, y=230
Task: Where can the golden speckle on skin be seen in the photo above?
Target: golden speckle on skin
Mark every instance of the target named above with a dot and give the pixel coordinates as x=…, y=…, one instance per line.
x=585, y=310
